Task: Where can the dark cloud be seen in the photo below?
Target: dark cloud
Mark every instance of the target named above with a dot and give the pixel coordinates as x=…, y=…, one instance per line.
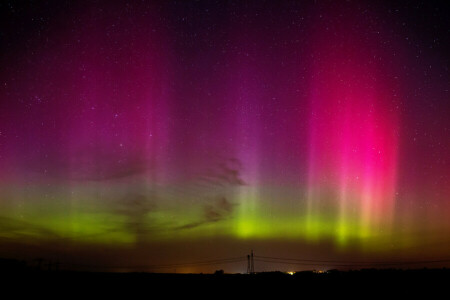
x=14, y=229
x=134, y=205
x=226, y=172
x=18, y=228
x=221, y=209
x=136, y=208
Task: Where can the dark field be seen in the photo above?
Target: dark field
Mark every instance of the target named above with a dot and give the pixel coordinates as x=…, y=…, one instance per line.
x=358, y=283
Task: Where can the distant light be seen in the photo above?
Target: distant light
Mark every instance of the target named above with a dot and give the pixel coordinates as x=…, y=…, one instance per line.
x=291, y=273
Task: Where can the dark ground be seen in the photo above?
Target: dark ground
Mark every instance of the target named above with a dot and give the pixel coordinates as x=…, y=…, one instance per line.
x=366, y=283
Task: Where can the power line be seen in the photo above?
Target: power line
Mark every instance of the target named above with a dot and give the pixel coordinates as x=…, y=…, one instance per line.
x=267, y=259
x=162, y=266
x=308, y=264
x=295, y=261
x=320, y=261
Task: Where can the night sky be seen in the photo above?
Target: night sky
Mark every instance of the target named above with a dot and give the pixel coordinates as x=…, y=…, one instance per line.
x=139, y=133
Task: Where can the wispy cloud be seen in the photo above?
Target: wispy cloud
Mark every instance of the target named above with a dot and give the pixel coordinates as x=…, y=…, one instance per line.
x=221, y=209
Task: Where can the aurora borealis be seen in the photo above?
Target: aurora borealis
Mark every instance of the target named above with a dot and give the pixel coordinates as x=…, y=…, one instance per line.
x=143, y=132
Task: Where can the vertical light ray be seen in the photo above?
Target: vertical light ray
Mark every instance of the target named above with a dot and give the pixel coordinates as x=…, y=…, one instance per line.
x=248, y=147
x=352, y=144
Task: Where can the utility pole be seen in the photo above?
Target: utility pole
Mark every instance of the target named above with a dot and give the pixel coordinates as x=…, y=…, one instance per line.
x=250, y=264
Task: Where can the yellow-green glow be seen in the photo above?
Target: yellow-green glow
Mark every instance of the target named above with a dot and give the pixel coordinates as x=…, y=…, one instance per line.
x=255, y=216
